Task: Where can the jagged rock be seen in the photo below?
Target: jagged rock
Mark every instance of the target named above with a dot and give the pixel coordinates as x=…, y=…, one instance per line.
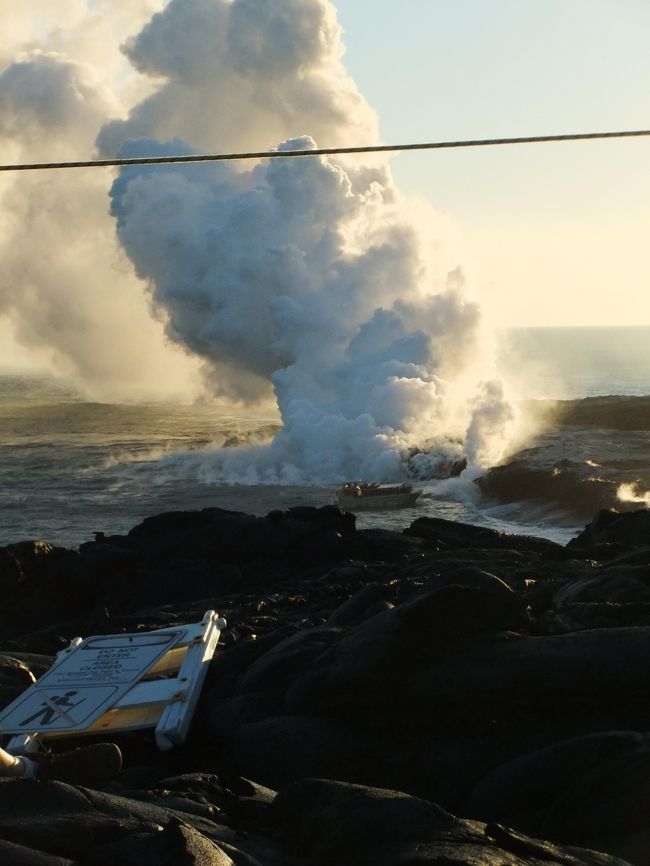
x=448, y=533
x=231, y=537
x=174, y=845
x=568, y=483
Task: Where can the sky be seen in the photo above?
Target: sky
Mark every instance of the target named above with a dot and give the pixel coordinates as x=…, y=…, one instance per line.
x=553, y=234
x=556, y=234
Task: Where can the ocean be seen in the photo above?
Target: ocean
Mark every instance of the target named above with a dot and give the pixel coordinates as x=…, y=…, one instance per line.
x=70, y=468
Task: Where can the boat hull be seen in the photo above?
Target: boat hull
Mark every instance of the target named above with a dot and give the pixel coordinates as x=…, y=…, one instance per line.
x=378, y=503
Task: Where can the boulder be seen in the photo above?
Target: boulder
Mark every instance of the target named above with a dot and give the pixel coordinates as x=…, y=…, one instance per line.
x=231, y=537
x=21, y=855
x=383, y=654
x=333, y=822
x=570, y=484
x=631, y=528
x=368, y=601
x=610, y=799
x=613, y=585
x=455, y=535
x=282, y=749
x=167, y=846
x=521, y=792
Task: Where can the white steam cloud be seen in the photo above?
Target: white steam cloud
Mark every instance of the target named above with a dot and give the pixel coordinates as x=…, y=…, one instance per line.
x=244, y=74
x=66, y=288
x=310, y=278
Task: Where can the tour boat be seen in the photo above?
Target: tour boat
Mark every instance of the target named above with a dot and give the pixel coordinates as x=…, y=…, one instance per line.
x=357, y=496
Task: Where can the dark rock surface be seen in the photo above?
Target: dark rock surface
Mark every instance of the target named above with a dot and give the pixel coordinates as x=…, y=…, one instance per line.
x=569, y=483
x=447, y=694
x=607, y=437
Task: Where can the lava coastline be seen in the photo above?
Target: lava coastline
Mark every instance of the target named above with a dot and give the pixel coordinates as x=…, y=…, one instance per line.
x=589, y=454
x=444, y=693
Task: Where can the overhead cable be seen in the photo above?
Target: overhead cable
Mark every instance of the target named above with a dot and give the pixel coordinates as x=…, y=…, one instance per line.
x=322, y=151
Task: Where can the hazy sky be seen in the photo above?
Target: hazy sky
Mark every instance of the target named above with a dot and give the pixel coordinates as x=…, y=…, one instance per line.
x=555, y=233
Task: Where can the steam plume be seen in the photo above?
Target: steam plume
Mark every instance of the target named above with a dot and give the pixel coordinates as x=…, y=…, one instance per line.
x=65, y=285
x=310, y=279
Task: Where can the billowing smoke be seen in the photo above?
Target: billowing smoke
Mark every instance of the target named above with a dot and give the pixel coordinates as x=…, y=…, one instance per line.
x=244, y=74
x=66, y=287
x=311, y=279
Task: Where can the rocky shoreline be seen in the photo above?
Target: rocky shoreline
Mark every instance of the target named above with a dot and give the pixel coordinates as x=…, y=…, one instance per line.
x=446, y=694
x=610, y=464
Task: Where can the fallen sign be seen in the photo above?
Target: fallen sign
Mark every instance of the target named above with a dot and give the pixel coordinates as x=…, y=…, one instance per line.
x=120, y=682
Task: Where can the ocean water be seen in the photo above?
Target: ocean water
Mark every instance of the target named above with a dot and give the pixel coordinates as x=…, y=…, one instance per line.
x=69, y=468
x=572, y=363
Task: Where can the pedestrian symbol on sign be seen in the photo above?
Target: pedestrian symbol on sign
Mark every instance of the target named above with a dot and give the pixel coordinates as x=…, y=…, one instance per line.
x=53, y=707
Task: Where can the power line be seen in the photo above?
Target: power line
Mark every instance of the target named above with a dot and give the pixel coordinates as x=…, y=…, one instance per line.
x=322, y=151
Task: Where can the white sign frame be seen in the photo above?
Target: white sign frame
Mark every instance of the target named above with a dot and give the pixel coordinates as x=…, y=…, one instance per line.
x=95, y=686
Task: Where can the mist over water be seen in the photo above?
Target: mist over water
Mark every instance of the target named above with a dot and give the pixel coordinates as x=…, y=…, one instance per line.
x=575, y=362
x=69, y=468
